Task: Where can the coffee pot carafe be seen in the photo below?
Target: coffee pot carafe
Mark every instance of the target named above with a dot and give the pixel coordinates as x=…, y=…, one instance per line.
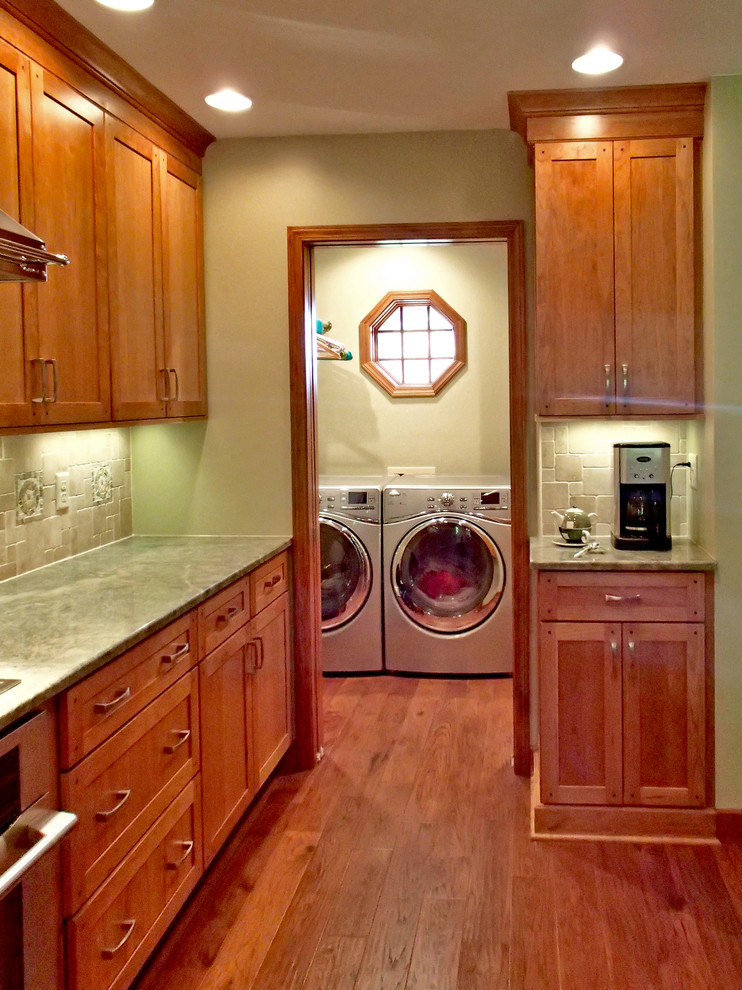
x=642, y=499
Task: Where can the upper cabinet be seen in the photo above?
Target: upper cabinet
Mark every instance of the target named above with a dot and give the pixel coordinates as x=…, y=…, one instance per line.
x=107, y=171
x=617, y=308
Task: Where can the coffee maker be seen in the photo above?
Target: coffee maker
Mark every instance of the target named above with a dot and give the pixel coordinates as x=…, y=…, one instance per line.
x=641, y=473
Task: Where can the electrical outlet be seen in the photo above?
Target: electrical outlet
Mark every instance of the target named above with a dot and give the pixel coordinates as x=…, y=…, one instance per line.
x=693, y=472
x=63, y=490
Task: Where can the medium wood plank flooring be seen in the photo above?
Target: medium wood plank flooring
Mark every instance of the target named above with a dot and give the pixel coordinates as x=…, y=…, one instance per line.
x=403, y=862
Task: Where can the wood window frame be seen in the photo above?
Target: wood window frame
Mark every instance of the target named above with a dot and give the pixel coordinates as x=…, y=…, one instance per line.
x=303, y=383
x=381, y=312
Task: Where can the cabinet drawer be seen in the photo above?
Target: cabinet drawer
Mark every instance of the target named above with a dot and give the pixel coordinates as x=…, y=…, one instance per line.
x=92, y=710
x=120, y=789
x=608, y=596
x=222, y=615
x=268, y=582
x=111, y=937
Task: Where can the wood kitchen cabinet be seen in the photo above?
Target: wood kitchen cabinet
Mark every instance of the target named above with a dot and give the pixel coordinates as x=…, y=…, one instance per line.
x=615, y=298
x=118, y=334
x=622, y=687
x=156, y=290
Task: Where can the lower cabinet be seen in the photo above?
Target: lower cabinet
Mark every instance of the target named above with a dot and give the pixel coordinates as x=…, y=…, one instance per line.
x=162, y=751
x=623, y=706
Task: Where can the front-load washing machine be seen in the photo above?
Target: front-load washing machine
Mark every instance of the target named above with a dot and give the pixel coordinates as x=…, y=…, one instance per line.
x=350, y=547
x=448, y=606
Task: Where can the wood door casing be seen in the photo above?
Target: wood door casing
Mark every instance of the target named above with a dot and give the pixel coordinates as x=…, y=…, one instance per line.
x=135, y=274
x=664, y=714
x=69, y=201
x=580, y=706
x=574, y=356
x=654, y=276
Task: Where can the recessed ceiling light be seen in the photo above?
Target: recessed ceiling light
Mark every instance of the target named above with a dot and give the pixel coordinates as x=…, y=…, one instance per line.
x=127, y=4
x=597, y=61
x=229, y=100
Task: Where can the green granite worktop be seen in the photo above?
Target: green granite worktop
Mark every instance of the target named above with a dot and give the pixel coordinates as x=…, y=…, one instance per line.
x=61, y=622
x=684, y=556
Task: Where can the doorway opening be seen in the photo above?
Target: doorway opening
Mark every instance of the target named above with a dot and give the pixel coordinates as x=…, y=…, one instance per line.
x=302, y=242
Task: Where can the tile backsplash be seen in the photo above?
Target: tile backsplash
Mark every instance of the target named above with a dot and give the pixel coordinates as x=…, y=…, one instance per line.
x=96, y=472
x=576, y=468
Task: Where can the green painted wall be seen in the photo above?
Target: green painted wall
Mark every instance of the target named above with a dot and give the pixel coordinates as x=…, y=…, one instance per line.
x=723, y=455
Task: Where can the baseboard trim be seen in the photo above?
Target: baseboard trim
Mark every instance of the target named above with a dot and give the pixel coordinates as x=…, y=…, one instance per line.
x=625, y=824
x=729, y=824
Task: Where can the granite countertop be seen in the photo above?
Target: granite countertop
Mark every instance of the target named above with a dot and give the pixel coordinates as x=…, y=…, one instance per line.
x=684, y=556
x=63, y=621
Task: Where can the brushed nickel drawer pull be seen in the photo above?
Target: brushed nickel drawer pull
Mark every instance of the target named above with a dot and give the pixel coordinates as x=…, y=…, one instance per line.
x=165, y=397
x=128, y=927
x=172, y=658
x=106, y=707
x=42, y=371
x=229, y=614
x=607, y=369
x=626, y=599
x=183, y=736
x=187, y=844
x=631, y=648
x=260, y=652
x=55, y=380
x=174, y=373
x=271, y=584
x=121, y=798
x=625, y=369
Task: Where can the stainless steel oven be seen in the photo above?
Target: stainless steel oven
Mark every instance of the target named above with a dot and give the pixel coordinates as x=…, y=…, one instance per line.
x=30, y=832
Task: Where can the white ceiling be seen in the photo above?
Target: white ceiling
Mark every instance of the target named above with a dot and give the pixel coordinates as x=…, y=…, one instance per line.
x=366, y=66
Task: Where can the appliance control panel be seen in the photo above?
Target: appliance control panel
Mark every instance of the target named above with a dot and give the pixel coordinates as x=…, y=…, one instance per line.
x=361, y=503
x=644, y=465
x=401, y=502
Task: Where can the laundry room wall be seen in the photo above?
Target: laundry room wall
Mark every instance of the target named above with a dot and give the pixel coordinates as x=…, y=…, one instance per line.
x=462, y=430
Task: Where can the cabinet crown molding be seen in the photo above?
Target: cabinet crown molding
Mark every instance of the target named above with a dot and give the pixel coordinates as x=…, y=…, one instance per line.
x=622, y=112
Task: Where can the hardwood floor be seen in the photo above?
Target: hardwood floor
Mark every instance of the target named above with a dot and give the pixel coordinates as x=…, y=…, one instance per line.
x=403, y=862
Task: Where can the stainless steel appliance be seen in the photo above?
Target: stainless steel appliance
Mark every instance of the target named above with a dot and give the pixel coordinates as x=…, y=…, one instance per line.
x=30, y=833
x=641, y=473
x=23, y=255
x=350, y=547
x=448, y=590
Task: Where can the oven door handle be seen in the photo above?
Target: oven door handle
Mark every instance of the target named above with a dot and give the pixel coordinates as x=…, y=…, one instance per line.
x=33, y=834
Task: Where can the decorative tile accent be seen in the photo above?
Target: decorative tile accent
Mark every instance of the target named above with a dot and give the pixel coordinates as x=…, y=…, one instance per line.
x=29, y=497
x=102, y=483
x=32, y=531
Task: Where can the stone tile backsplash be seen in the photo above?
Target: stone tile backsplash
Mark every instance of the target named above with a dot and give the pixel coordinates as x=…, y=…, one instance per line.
x=576, y=468
x=34, y=530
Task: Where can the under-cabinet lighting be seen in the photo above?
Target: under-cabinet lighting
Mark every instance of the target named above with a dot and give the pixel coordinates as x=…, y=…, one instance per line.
x=229, y=100
x=597, y=61
x=127, y=4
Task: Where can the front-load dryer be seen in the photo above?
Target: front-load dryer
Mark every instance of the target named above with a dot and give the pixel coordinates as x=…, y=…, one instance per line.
x=350, y=548
x=448, y=606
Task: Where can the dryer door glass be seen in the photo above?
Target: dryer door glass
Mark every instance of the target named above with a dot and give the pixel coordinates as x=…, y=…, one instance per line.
x=346, y=574
x=448, y=574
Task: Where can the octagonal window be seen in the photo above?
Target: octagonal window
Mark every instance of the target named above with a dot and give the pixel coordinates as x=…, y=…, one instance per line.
x=412, y=343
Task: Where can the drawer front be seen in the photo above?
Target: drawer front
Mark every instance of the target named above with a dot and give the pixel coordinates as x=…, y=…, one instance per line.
x=99, y=705
x=268, y=582
x=609, y=596
x=222, y=615
x=120, y=789
x=111, y=937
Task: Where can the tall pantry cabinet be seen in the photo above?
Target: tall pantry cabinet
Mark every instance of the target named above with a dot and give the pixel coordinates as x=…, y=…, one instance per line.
x=105, y=170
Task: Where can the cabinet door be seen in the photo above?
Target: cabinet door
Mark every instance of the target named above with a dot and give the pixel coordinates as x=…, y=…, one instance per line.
x=183, y=290
x=580, y=701
x=664, y=714
x=271, y=687
x=225, y=687
x=654, y=274
x=574, y=278
x=135, y=274
x=69, y=214
x=16, y=198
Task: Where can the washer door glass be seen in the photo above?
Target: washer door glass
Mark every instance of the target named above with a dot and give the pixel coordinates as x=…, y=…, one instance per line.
x=448, y=574
x=346, y=573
